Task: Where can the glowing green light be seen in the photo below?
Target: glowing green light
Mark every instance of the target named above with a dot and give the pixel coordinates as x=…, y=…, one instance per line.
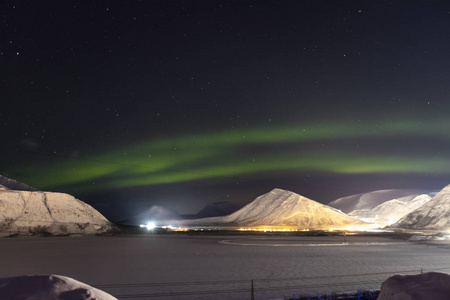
x=242, y=152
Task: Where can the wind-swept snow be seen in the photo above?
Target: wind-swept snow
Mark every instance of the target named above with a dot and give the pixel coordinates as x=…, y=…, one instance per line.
x=48, y=287
x=435, y=214
x=284, y=208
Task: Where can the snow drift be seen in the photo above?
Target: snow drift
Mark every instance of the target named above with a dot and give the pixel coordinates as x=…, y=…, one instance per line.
x=283, y=208
x=435, y=214
x=48, y=287
x=430, y=285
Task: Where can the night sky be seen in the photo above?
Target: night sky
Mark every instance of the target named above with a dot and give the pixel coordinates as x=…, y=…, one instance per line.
x=127, y=104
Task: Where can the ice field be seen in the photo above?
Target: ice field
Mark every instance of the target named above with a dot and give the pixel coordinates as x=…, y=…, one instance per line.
x=220, y=267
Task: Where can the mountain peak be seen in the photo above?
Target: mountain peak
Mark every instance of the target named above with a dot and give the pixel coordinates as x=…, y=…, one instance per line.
x=286, y=209
x=370, y=200
x=11, y=184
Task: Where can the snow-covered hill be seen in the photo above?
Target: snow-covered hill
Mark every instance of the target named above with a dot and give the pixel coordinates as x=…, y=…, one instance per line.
x=435, y=214
x=160, y=215
x=284, y=209
x=368, y=201
x=37, y=212
x=391, y=211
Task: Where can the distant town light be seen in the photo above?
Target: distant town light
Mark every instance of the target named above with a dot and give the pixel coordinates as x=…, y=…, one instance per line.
x=149, y=225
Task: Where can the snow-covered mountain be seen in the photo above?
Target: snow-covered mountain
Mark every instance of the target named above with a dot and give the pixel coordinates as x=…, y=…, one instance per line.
x=285, y=209
x=368, y=201
x=158, y=214
x=435, y=214
x=218, y=209
x=37, y=212
x=11, y=184
x=391, y=211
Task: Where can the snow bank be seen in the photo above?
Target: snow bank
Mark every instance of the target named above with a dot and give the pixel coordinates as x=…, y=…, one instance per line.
x=49, y=287
x=430, y=285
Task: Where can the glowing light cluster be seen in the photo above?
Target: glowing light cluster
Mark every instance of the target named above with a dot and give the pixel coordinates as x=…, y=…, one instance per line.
x=180, y=229
x=364, y=227
x=149, y=225
x=272, y=229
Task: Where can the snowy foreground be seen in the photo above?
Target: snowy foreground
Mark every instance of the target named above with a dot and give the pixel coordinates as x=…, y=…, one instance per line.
x=48, y=287
x=431, y=285
x=220, y=267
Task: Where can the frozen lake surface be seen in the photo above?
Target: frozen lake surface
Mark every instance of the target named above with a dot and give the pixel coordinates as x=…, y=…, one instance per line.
x=220, y=267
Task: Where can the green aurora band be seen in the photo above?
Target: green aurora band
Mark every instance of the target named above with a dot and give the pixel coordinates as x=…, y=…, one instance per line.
x=243, y=152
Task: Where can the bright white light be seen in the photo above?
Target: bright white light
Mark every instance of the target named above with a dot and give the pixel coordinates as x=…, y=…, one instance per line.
x=149, y=225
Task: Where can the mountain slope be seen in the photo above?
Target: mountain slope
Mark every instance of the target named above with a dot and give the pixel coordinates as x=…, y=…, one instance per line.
x=391, y=211
x=435, y=214
x=284, y=208
x=372, y=199
x=218, y=209
x=34, y=212
x=11, y=184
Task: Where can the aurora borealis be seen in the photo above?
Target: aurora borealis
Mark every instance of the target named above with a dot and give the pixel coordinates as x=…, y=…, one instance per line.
x=127, y=104
x=289, y=148
x=264, y=153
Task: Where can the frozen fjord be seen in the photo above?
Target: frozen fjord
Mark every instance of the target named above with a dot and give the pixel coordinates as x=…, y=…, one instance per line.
x=183, y=267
